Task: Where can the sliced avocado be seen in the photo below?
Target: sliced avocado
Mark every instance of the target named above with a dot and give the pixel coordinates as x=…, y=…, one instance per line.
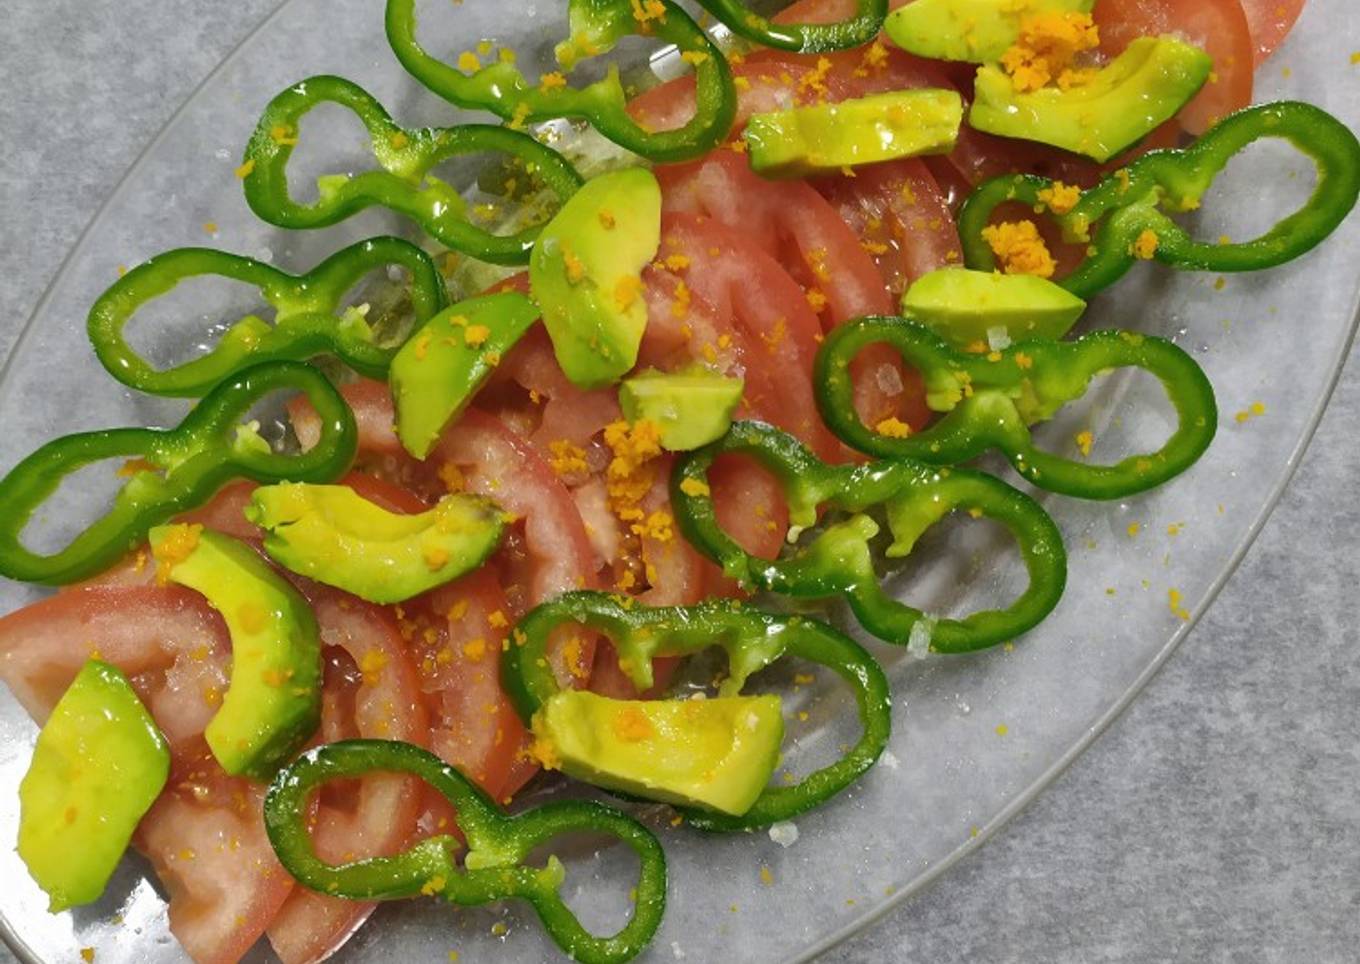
x=1125, y=101
x=966, y=307
x=803, y=141
x=99, y=764
x=585, y=274
x=331, y=534
x=716, y=754
x=441, y=366
x=690, y=408
x=273, y=702
x=976, y=31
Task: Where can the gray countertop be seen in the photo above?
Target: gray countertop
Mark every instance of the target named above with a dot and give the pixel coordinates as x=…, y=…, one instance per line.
x=1214, y=821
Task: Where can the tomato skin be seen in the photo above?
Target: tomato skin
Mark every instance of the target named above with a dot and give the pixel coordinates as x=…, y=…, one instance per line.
x=1270, y=22
x=1218, y=26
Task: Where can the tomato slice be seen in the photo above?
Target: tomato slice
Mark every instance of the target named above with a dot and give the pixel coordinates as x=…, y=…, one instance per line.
x=769, y=80
x=173, y=647
x=205, y=838
x=1270, y=22
x=1218, y=26
x=773, y=329
x=457, y=633
x=204, y=835
x=790, y=222
x=898, y=212
x=371, y=690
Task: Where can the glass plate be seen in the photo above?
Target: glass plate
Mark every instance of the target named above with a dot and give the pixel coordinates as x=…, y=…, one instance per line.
x=975, y=738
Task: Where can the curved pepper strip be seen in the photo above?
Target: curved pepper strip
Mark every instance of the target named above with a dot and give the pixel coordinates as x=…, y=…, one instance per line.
x=913, y=495
x=991, y=400
x=403, y=182
x=1134, y=200
x=596, y=26
x=752, y=640
x=305, y=322
x=494, y=867
x=806, y=38
x=171, y=470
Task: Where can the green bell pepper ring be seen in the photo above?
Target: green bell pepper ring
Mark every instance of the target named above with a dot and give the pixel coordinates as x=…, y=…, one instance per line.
x=1134, y=200
x=806, y=38
x=305, y=306
x=403, y=182
x=752, y=640
x=494, y=867
x=914, y=496
x=596, y=26
x=991, y=400
x=172, y=470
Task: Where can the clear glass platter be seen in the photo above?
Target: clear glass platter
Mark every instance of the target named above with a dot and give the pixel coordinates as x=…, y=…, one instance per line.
x=975, y=738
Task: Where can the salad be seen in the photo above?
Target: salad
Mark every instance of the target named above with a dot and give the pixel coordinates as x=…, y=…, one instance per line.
x=632, y=414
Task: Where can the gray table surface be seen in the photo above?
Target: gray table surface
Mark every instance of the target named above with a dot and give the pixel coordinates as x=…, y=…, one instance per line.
x=1214, y=821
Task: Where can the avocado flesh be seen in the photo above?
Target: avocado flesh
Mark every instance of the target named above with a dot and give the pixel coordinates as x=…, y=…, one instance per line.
x=333, y=535
x=715, y=754
x=690, y=410
x=974, y=31
x=585, y=274
x=273, y=703
x=822, y=138
x=963, y=306
x=1125, y=101
x=441, y=366
x=99, y=764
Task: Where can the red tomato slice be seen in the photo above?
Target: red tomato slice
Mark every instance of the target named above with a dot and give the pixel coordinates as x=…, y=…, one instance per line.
x=459, y=644
x=204, y=835
x=173, y=647
x=790, y=222
x=769, y=80
x=371, y=690
x=1270, y=21
x=205, y=838
x=561, y=410
x=773, y=330
x=1218, y=26
x=898, y=212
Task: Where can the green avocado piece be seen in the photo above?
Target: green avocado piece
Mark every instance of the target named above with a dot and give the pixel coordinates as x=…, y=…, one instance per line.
x=1126, y=100
x=441, y=366
x=691, y=409
x=99, y=764
x=975, y=31
x=965, y=307
x=333, y=535
x=585, y=274
x=273, y=703
x=821, y=138
x=716, y=754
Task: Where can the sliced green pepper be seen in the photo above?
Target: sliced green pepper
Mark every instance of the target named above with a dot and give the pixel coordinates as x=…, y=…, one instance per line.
x=1130, y=207
x=806, y=38
x=596, y=26
x=495, y=866
x=305, y=322
x=171, y=470
x=992, y=399
x=403, y=183
x=752, y=640
x=914, y=496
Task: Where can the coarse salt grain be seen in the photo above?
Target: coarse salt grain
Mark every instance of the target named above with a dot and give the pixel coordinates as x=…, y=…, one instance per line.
x=784, y=833
x=918, y=643
x=998, y=338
